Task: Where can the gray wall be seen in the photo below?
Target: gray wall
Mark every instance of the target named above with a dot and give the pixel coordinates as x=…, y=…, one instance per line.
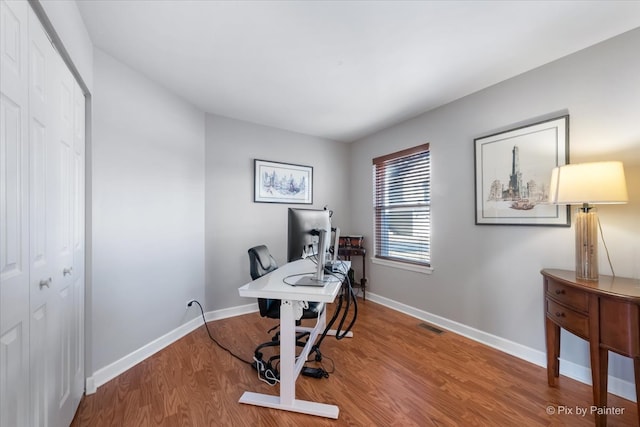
x=234, y=223
x=148, y=210
x=487, y=277
x=149, y=222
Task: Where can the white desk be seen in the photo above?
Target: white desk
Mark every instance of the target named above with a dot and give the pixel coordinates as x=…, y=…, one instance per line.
x=272, y=286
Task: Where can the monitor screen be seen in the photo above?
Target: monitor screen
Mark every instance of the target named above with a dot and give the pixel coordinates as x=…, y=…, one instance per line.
x=302, y=242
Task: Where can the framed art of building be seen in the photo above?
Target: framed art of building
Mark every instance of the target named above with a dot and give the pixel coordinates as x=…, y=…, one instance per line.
x=513, y=173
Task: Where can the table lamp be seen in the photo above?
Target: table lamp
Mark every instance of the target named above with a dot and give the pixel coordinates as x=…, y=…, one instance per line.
x=587, y=184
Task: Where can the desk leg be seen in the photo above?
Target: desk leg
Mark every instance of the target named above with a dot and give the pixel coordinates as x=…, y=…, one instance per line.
x=599, y=375
x=552, y=331
x=599, y=361
x=287, y=353
x=287, y=400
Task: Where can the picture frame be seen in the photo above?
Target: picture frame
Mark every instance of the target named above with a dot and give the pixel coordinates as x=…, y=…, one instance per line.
x=513, y=174
x=276, y=182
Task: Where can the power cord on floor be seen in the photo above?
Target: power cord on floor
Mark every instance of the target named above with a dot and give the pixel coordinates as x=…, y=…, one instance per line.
x=606, y=248
x=211, y=336
x=266, y=372
x=322, y=365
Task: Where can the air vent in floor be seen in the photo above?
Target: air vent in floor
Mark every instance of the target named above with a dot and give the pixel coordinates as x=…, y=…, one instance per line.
x=431, y=328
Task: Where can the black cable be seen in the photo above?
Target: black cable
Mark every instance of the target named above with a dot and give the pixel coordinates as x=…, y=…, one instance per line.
x=296, y=275
x=324, y=358
x=350, y=296
x=213, y=339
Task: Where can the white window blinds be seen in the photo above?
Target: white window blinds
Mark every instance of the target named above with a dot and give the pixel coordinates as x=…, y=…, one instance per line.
x=402, y=205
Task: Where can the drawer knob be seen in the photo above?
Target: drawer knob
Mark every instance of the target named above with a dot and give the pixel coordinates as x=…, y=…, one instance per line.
x=559, y=291
x=559, y=314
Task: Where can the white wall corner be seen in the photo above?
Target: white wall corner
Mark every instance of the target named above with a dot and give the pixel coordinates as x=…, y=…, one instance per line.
x=90, y=386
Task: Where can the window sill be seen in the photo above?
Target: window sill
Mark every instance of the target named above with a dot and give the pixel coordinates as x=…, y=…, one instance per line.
x=402, y=265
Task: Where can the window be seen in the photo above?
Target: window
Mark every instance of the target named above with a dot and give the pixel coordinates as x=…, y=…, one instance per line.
x=402, y=206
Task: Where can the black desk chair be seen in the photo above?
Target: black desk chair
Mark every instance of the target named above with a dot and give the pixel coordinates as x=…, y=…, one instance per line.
x=261, y=263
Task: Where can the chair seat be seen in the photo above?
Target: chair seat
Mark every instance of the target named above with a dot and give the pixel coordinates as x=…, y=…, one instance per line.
x=314, y=310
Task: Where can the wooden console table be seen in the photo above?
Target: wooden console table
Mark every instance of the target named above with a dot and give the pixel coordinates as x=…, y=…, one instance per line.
x=347, y=252
x=606, y=313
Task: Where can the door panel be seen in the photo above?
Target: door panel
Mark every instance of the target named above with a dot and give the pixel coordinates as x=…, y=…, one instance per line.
x=13, y=346
x=12, y=186
x=40, y=368
x=14, y=215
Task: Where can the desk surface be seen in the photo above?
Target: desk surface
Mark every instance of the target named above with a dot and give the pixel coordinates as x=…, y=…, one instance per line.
x=272, y=285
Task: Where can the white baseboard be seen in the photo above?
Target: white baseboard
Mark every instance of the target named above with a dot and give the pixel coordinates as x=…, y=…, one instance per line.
x=107, y=373
x=90, y=385
x=617, y=386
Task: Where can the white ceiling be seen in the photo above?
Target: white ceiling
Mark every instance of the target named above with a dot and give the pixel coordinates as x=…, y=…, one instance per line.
x=342, y=69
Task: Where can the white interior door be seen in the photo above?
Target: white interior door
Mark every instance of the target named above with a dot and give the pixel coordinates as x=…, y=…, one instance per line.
x=14, y=215
x=77, y=271
x=57, y=288
x=41, y=226
x=68, y=296
x=62, y=296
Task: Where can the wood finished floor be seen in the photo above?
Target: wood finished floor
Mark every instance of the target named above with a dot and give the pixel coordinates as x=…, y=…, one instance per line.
x=392, y=373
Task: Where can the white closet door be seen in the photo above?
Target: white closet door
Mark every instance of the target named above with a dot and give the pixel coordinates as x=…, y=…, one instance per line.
x=57, y=285
x=63, y=295
x=14, y=215
x=77, y=272
x=68, y=253
x=42, y=227
x=43, y=224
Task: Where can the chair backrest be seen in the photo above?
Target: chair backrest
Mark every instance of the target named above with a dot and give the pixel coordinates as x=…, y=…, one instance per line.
x=260, y=263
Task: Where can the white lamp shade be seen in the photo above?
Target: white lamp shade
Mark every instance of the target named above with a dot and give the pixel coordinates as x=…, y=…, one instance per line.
x=593, y=183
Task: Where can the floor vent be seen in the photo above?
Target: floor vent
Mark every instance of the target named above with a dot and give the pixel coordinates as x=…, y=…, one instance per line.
x=431, y=328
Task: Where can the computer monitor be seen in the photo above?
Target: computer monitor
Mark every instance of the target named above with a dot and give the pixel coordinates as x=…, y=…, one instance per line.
x=310, y=234
x=303, y=236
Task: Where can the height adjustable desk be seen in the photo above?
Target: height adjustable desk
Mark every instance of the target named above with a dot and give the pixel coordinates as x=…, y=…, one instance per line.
x=272, y=286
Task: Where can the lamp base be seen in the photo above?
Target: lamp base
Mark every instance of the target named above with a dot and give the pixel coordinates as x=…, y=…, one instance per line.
x=587, y=243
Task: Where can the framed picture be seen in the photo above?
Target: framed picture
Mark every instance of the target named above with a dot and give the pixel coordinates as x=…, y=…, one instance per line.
x=513, y=174
x=282, y=183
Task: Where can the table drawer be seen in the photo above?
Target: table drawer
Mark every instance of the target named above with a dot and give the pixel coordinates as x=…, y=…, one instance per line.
x=352, y=251
x=570, y=320
x=568, y=296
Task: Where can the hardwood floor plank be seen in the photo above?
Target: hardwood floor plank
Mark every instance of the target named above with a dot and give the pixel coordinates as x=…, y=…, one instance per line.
x=394, y=372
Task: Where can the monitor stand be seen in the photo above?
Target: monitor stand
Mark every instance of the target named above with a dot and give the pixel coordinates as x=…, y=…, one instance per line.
x=318, y=279
x=312, y=281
